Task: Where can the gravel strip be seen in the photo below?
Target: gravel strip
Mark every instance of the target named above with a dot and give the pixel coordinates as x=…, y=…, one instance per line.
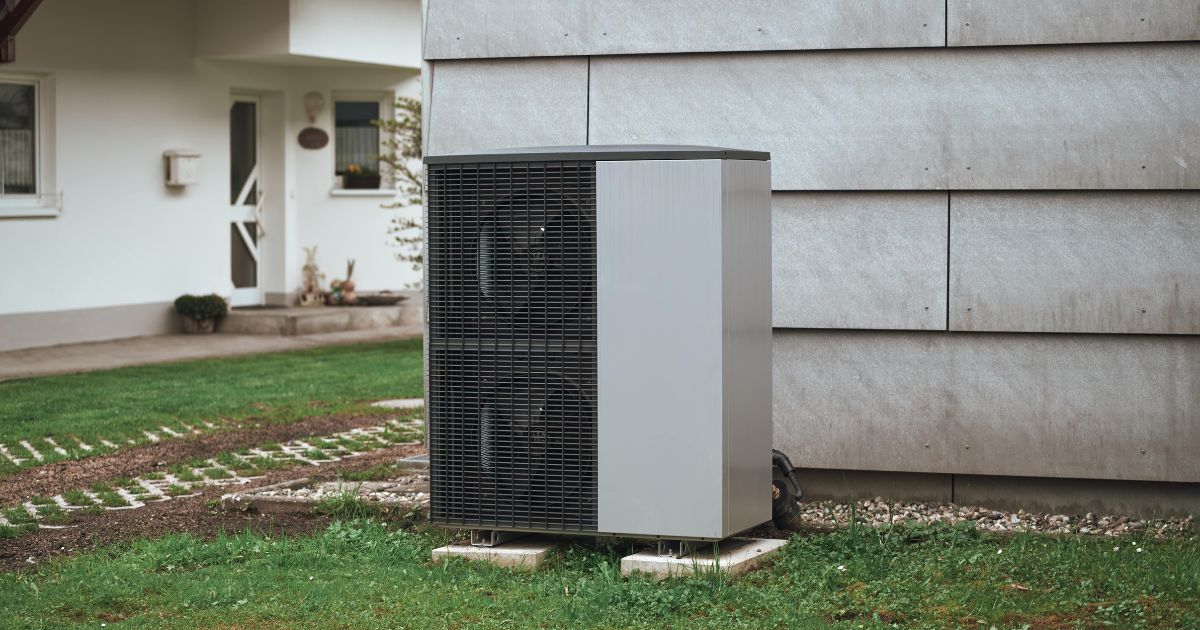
x=878, y=512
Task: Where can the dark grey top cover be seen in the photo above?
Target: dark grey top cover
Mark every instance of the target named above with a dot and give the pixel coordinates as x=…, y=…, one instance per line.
x=600, y=152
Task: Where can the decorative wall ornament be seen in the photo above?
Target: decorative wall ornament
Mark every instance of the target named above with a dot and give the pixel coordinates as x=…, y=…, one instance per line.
x=314, y=104
x=313, y=137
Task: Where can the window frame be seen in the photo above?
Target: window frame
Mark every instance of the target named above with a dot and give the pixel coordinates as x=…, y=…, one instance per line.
x=42, y=202
x=387, y=110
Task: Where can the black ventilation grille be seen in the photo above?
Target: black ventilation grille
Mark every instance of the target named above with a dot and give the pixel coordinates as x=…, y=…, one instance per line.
x=511, y=290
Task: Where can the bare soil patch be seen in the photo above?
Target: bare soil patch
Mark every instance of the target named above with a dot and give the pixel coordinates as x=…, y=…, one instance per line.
x=194, y=515
x=58, y=477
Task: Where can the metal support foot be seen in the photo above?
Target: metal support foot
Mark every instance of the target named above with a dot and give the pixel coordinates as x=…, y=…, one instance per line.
x=492, y=537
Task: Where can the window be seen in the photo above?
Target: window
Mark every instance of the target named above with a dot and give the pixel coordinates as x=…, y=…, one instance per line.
x=356, y=143
x=18, y=138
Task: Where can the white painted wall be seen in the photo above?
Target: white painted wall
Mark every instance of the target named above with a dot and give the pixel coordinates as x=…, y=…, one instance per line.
x=383, y=30
x=312, y=32
x=128, y=87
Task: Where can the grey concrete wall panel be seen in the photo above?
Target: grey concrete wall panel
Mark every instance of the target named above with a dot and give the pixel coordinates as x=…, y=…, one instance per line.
x=1143, y=499
x=1020, y=22
x=860, y=260
x=1102, y=117
x=495, y=104
x=1113, y=262
x=1080, y=406
x=663, y=400
x=460, y=29
x=746, y=340
x=850, y=485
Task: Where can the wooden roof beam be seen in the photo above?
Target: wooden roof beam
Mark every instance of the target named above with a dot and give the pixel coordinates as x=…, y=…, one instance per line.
x=13, y=15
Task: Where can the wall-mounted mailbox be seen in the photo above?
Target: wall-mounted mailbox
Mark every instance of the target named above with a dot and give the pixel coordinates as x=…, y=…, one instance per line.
x=182, y=166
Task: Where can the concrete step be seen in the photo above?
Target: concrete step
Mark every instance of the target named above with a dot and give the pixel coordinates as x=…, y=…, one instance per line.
x=318, y=319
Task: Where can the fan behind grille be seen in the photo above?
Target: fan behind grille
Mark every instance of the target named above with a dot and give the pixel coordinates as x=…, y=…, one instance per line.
x=511, y=282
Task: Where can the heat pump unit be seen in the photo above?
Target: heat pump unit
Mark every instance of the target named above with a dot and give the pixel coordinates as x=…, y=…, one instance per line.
x=598, y=339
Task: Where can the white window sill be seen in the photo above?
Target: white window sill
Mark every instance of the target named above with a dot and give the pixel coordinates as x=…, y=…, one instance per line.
x=363, y=192
x=29, y=208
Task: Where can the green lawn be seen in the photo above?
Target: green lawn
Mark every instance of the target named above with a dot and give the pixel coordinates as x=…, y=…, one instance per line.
x=281, y=386
x=364, y=574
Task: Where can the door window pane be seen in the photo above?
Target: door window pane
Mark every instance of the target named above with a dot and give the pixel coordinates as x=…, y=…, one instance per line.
x=243, y=149
x=18, y=175
x=242, y=263
x=356, y=140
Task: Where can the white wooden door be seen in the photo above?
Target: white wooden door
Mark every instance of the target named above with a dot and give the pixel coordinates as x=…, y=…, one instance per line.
x=246, y=201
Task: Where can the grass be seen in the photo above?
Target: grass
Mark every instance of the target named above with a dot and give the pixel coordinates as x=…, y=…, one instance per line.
x=277, y=387
x=363, y=574
x=378, y=472
x=77, y=497
x=343, y=507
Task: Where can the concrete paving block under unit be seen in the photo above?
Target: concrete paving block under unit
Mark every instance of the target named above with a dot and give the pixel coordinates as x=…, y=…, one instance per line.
x=734, y=557
x=523, y=553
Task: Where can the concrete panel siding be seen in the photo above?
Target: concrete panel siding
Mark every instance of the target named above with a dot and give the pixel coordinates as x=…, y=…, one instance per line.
x=1125, y=262
x=979, y=118
x=859, y=260
x=494, y=104
x=1144, y=499
x=1009, y=22
x=1092, y=406
x=535, y=28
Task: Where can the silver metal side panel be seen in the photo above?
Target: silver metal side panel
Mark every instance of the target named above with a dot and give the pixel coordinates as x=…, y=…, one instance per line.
x=684, y=347
x=746, y=339
x=658, y=246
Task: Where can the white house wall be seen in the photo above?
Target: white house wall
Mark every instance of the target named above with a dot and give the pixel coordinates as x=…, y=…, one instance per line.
x=384, y=32
x=914, y=180
x=124, y=94
x=311, y=32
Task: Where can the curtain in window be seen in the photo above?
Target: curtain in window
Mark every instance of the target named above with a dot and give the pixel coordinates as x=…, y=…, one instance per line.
x=356, y=140
x=18, y=175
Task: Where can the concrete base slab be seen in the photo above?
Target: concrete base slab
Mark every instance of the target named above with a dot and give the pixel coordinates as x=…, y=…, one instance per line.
x=734, y=556
x=524, y=553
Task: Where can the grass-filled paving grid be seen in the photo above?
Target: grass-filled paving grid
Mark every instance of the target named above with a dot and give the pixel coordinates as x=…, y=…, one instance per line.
x=72, y=416
x=235, y=467
x=364, y=574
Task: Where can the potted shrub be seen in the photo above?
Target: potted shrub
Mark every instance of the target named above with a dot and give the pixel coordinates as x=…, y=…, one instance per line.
x=200, y=312
x=358, y=178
